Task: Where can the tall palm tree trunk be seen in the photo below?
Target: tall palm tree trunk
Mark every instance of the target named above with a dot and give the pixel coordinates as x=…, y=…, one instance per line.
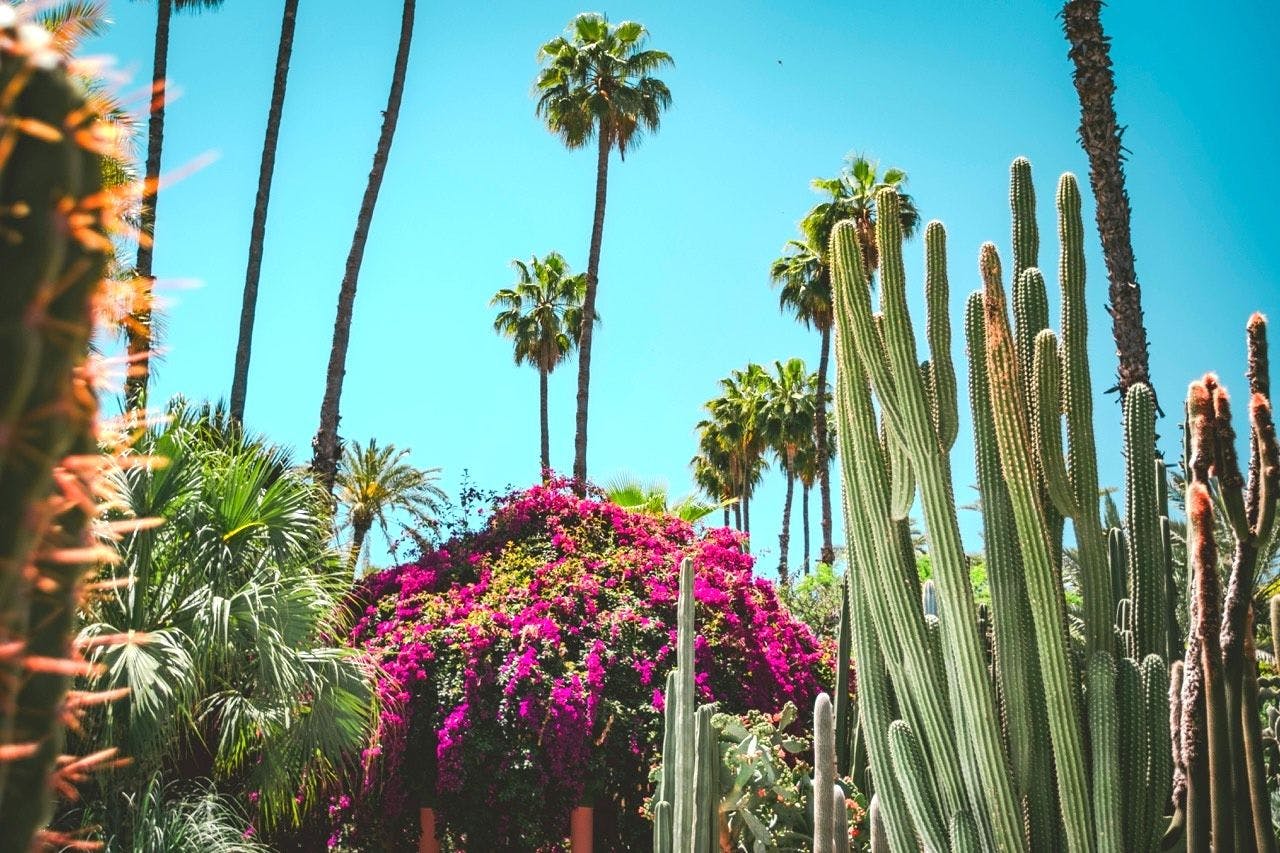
x=828, y=553
x=746, y=512
x=258, y=230
x=545, y=423
x=726, y=515
x=804, y=514
x=589, y=311
x=737, y=514
x=1101, y=138
x=138, y=328
x=325, y=445
x=784, y=538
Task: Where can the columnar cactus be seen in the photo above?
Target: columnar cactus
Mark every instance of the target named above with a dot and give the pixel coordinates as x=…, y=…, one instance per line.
x=53, y=253
x=967, y=767
x=1222, y=786
x=686, y=805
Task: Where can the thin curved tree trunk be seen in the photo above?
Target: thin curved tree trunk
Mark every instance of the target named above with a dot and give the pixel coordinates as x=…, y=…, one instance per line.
x=325, y=446
x=828, y=553
x=258, y=230
x=1101, y=137
x=589, y=313
x=358, y=535
x=138, y=327
x=804, y=505
x=784, y=538
x=545, y=423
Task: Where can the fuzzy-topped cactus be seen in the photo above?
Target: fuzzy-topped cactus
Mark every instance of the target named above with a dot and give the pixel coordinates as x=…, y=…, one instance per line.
x=958, y=753
x=53, y=252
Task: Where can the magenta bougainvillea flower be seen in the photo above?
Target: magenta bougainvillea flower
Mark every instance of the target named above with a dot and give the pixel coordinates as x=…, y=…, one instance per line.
x=525, y=667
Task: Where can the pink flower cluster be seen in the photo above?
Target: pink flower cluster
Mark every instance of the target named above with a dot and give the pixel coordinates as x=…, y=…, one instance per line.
x=525, y=666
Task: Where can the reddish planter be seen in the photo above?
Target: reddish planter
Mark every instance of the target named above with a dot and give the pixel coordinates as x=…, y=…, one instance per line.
x=428, y=843
x=581, y=826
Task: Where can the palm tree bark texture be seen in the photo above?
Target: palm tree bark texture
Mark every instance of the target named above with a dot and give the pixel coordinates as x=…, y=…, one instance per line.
x=1101, y=137
x=326, y=445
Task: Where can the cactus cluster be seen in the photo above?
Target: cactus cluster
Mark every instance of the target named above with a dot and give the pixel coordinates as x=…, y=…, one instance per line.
x=686, y=805
x=955, y=724
x=1220, y=783
x=53, y=252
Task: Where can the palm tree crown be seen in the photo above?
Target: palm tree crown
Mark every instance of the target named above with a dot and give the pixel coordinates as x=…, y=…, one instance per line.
x=853, y=196
x=376, y=481
x=596, y=80
x=542, y=312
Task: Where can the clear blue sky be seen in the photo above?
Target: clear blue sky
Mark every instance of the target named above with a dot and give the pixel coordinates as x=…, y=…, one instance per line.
x=766, y=96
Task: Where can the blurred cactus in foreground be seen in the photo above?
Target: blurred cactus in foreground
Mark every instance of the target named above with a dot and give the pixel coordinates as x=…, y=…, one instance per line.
x=54, y=222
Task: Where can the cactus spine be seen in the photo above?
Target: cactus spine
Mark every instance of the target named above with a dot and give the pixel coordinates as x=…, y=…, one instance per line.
x=53, y=252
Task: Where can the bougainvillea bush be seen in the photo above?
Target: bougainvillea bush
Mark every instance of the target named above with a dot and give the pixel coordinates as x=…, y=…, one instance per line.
x=525, y=666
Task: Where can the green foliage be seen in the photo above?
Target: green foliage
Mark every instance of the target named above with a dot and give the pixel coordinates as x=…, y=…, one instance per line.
x=596, y=81
x=768, y=785
x=542, y=312
x=222, y=633
x=815, y=599
x=374, y=483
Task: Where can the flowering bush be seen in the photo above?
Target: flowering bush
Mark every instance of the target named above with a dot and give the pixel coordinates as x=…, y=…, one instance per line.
x=525, y=666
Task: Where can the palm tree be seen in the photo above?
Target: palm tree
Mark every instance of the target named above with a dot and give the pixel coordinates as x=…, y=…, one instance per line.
x=652, y=498
x=712, y=478
x=375, y=482
x=542, y=315
x=735, y=433
x=258, y=230
x=788, y=415
x=325, y=446
x=1102, y=140
x=596, y=84
x=139, y=329
x=219, y=623
x=805, y=278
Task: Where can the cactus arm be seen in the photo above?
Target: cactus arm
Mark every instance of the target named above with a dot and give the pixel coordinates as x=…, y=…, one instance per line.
x=1146, y=575
x=938, y=332
x=1014, y=638
x=1157, y=785
x=706, y=783
x=909, y=767
x=1022, y=205
x=879, y=571
x=844, y=644
x=964, y=838
x=1046, y=421
x=1202, y=552
x=1104, y=731
x=1091, y=543
x=662, y=829
x=1047, y=606
x=682, y=816
x=841, y=834
x=824, y=771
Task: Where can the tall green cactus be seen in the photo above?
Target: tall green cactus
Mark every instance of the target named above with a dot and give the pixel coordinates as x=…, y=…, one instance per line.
x=686, y=804
x=1001, y=791
x=53, y=253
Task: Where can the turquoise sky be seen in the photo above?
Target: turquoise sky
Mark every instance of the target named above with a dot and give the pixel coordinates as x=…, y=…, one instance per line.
x=766, y=96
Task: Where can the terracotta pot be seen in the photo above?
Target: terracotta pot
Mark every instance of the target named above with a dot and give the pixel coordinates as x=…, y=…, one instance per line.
x=581, y=825
x=428, y=843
